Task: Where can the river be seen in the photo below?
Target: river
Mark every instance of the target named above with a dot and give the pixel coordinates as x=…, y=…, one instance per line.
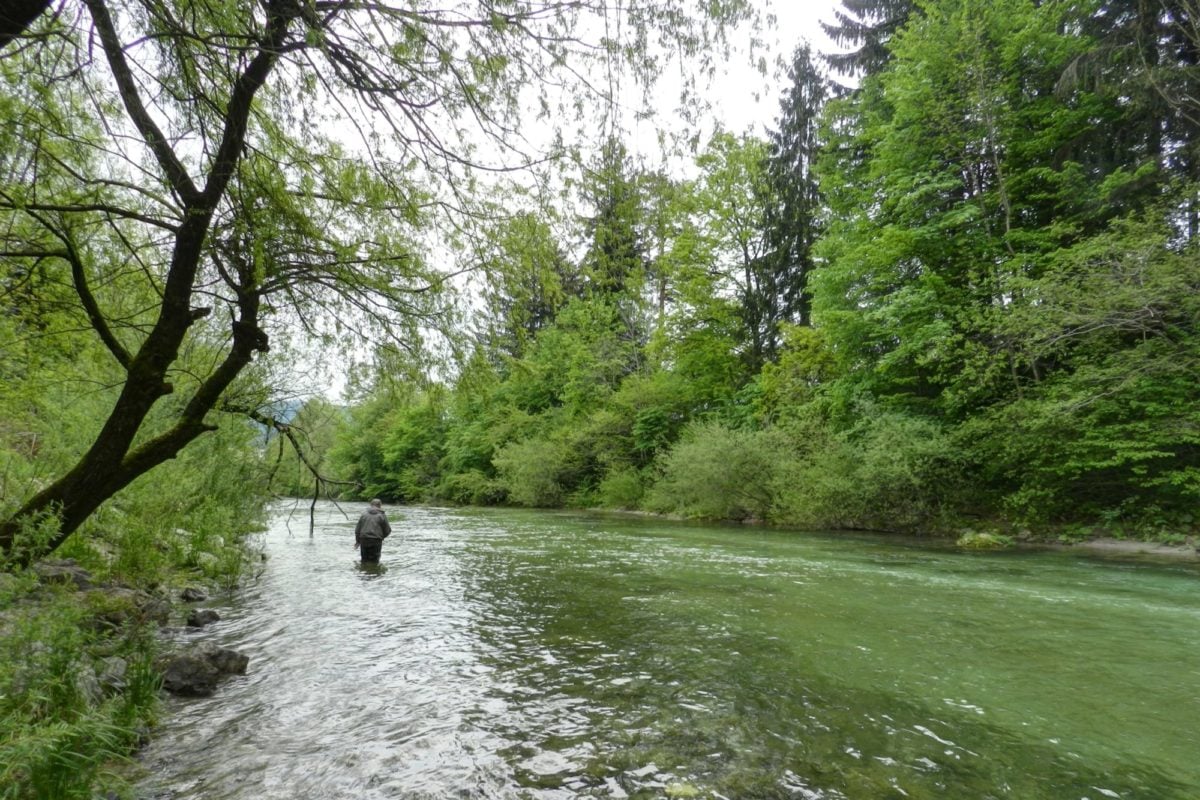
x=518, y=654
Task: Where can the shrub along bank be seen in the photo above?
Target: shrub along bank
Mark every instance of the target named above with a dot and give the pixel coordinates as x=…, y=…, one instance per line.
x=79, y=685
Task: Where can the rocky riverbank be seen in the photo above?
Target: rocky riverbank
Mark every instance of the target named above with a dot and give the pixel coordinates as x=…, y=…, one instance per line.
x=193, y=671
x=82, y=669
x=1132, y=548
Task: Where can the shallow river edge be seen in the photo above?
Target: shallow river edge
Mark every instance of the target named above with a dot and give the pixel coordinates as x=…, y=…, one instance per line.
x=1064, y=538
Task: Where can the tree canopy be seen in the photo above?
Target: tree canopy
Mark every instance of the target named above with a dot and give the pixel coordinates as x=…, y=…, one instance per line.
x=958, y=294
x=201, y=181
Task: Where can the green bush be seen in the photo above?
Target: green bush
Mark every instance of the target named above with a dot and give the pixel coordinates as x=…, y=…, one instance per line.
x=471, y=488
x=1127, y=457
x=534, y=472
x=891, y=472
x=622, y=488
x=984, y=540
x=716, y=472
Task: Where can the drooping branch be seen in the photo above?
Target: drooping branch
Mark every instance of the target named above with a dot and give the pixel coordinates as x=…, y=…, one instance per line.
x=176, y=173
x=90, y=306
x=70, y=254
x=289, y=433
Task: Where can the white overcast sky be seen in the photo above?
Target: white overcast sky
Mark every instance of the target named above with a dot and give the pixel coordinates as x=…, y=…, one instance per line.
x=734, y=94
x=742, y=99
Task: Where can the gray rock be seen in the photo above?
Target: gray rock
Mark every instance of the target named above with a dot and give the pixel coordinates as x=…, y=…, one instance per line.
x=156, y=609
x=195, y=673
x=63, y=571
x=105, y=551
x=119, y=606
x=193, y=595
x=199, y=617
x=190, y=675
x=86, y=684
x=112, y=674
x=229, y=662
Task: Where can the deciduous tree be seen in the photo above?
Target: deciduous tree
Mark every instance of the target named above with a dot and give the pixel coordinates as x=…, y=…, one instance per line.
x=187, y=149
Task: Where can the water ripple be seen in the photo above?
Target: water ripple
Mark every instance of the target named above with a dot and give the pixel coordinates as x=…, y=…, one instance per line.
x=519, y=656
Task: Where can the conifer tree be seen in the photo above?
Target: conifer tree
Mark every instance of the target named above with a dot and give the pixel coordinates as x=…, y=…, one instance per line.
x=866, y=26
x=793, y=218
x=616, y=263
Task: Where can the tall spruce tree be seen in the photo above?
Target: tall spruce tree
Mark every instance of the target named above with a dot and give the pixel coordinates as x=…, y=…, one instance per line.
x=793, y=217
x=1144, y=64
x=865, y=26
x=615, y=259
x=615, y=264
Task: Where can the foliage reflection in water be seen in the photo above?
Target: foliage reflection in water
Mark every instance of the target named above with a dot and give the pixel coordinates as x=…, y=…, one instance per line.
x=510, y=654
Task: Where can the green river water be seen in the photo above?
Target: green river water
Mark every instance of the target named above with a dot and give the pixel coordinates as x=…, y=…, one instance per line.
x=512, y=654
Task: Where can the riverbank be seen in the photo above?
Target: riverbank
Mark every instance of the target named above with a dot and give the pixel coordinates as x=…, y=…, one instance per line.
x=78, y=687
x=1052, y=539
x=82, y=659
x=1129, y=547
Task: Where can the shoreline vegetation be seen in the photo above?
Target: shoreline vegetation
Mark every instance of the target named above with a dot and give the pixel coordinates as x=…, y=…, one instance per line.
x=82, y=658
x=83, y=665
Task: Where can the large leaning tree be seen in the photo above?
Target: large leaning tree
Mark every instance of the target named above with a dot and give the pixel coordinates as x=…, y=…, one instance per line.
x=209, y=176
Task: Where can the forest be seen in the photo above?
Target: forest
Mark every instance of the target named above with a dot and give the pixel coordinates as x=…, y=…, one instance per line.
x=960, y=295
x=952, y=288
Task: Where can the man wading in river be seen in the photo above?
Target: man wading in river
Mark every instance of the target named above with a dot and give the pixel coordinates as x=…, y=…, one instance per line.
x=371, y=530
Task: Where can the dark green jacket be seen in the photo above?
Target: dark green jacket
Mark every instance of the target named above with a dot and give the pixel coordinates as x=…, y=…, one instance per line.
x=372, y=524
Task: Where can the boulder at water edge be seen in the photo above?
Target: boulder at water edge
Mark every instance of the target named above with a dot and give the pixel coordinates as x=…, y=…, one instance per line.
x=195, y=673
x=63, y=571
x=190, y=675
x=193, y=595
x=228, y=662
x=199, y=617
x=117, y=606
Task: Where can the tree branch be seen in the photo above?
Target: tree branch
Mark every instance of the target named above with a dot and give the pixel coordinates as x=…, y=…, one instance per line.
x=79, y=278
x=70, y=254
x=237, y=112
x=170, y=163
x=104, y=208
x=288, y=432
